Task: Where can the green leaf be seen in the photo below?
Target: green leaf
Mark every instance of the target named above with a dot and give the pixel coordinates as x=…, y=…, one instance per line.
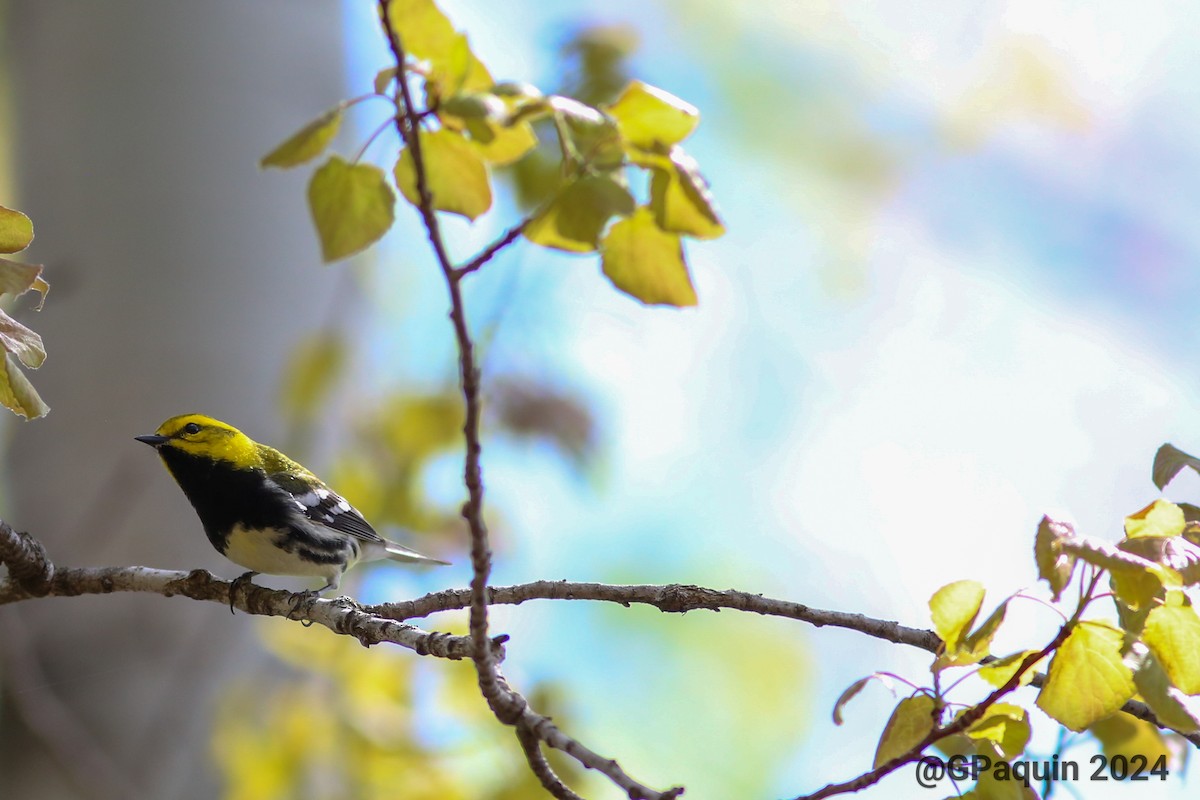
x=312, y=372
x=518, y=90
x=979, y=643
x=501, y=144
x=1054, y=566
x=575, y=219
x=383, y=79
x=427, y=34
x=999, y=783
x=307, y=143
x=457, y=177
x=1005, y=727
x=648, y=117
x=1168, y=461
x=1160, y=518
x=352, y=207
x=1087, y=679
x=1000, y=671
x=1137, y=589
x=473, y=105
x=17, y=278
x=977, y=646
x=954, y=608
x=1172, y=633
x=1136, y=581
x=1123, y=735
x=681, y=199
x=17, y=393
x=646, y=262
x=1171, y=706
x=16, y=230
x=1175, y=552
x=911, y=722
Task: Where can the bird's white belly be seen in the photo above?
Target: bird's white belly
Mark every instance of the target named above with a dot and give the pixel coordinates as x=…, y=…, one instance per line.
x=257, y=550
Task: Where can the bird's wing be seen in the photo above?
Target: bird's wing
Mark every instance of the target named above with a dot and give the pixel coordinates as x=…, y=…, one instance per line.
x=324, y=506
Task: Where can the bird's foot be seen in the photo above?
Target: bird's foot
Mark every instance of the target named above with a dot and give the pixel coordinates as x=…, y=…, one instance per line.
x=240, y=583
x=303, y=602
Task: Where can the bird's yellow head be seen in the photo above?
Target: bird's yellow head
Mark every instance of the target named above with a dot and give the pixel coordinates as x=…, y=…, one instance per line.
x=199, y=435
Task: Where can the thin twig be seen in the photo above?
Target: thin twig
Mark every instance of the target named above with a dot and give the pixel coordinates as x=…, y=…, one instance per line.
x=553, y=784
x=489, y=252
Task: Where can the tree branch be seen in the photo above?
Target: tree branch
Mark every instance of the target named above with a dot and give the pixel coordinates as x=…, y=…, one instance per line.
x=508, y=705
x=672, y=598
x=31, y=574
x=553, y=784
x=408, y=123
x=489, y=252
x=680, y=599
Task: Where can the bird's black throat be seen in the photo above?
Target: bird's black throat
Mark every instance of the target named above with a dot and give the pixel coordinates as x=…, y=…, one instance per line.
x=224, y=495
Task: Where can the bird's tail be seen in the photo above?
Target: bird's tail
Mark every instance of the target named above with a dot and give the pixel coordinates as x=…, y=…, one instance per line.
x=398, y=552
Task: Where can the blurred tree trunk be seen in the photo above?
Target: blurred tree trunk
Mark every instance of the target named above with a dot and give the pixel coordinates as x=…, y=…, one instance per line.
x=181, y=277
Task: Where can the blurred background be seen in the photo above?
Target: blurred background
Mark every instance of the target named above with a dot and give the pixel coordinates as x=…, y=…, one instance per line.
x=955, y=295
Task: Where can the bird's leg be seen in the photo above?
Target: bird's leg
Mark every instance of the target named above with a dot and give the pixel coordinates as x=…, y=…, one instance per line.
x=304, y=600
x=240, y=583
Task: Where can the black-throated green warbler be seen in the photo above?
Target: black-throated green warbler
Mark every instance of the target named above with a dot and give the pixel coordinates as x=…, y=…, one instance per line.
x=262, y=510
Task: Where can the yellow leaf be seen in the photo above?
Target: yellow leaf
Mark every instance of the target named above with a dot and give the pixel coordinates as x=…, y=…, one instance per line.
x=681, y=199
x=457, y=177
x=503, y=144
x=646, y=262
x=16, y=230
x=427, y=34
x=911, y=721
x=1087, y=679
x=999, y=672
x=17, y=393
x=1172, y=633
x=1131, y=737
x=1170, y=705
x=1053, y=564
x=17, y=278
x=307, y=143
x=954, y=608
x=313, y=369
x=648, y=117
x=575, y=219
x=352, y=207
x=1160, y=518
x=1005, y=727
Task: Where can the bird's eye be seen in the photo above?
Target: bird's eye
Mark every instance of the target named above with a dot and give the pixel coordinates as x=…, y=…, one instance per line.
x=191, y=428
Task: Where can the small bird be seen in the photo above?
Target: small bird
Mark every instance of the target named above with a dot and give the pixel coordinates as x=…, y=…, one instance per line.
x=263, y=511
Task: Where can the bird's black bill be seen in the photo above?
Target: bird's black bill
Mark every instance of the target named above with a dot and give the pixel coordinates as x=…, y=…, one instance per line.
x=153, y=439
